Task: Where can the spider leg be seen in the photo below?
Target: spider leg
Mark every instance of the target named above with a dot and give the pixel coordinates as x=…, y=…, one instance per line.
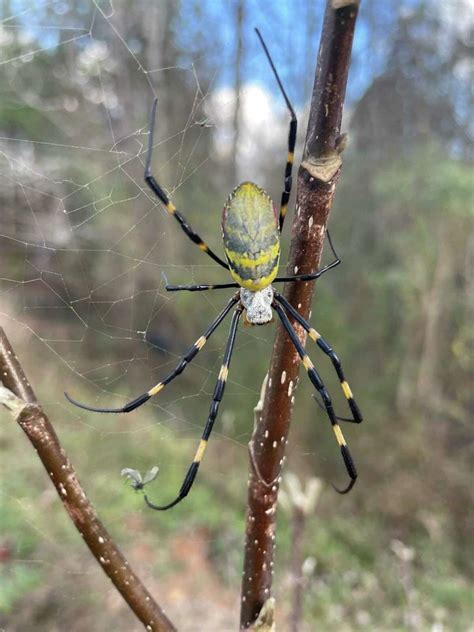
x=193, y=351
x=321, y=406
x=285, y=196
x=327, y=349
x=318, y=384
x=196, y=288
x=199, y=288
x=216, y=400
x=170, y=207
x=314, y=275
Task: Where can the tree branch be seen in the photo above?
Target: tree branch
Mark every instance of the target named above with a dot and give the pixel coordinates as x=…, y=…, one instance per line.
x=317, y=178
x=19, y=398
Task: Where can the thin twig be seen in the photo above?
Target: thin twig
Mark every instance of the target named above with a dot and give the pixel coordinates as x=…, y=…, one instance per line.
x=317, y=178
x=19, y=398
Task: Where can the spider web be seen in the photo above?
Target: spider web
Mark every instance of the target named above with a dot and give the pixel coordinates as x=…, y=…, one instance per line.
x=86, y=247
x=54, y=282
x=83, y=248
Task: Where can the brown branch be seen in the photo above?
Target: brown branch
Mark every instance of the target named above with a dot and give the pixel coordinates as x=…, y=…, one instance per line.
x=317, y=178
x=18, y=396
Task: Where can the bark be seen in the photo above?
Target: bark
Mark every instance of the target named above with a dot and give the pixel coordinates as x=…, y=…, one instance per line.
x=317, y=178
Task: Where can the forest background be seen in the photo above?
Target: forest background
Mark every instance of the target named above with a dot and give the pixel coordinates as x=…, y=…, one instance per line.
x=84, y=246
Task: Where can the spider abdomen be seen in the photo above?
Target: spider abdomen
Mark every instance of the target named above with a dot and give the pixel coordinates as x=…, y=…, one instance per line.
x=251, y=236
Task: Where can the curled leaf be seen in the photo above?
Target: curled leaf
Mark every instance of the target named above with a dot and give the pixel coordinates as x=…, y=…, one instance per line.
x=134, y=476
x=138, y=482
x=150, y=475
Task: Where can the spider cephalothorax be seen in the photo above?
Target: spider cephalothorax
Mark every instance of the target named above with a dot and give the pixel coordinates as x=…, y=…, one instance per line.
x=251, y=235
x=258, y=305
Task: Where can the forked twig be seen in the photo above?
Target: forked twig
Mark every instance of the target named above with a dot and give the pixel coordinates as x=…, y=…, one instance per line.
x=19, y=398
x=317, y=178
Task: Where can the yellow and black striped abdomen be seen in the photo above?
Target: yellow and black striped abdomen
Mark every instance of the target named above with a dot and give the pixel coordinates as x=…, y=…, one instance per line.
x=251, y=236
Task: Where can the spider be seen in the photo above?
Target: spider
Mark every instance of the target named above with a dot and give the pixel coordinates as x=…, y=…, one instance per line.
x=251, y=235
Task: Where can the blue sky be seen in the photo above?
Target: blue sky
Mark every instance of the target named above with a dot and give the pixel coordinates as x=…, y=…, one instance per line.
x=284, y=25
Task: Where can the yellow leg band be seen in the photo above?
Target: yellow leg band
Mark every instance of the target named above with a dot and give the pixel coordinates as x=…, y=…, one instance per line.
x=313, y=334
x=223, y=373
x=200, y=342
x=339, y=435
x=156, y=389
x=200, y=451
x=347, y=390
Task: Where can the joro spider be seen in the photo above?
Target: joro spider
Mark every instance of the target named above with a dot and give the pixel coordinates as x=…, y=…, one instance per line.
x=251, y=235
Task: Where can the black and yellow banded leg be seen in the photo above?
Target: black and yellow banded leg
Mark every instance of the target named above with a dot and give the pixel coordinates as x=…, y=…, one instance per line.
x=319, y=385
x=216, y=400
x=170, y=207
x=312, y=276
x=186, y=359
x=199, y=288
x=285, y=196
x=327, y=349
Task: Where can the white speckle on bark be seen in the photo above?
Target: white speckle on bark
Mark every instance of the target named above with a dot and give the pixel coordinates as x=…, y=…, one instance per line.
x=283, y=377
